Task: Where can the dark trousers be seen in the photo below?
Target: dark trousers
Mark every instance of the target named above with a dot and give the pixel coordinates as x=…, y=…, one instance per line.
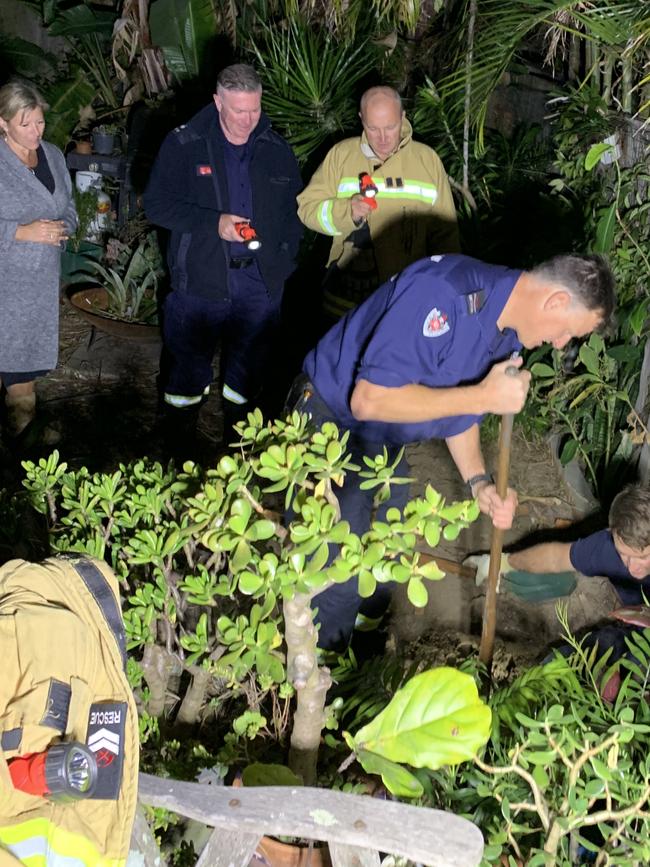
x=245, y=324
x=338, y=606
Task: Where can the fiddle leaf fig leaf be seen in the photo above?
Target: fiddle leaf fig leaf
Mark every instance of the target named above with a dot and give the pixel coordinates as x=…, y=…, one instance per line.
x=397, y=779
x=260, y=774
x=436, y=719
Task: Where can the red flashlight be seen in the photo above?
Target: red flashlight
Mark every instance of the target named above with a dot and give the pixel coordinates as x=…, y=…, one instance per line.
x=368, y=189
x=248, y=235
x=64, y=772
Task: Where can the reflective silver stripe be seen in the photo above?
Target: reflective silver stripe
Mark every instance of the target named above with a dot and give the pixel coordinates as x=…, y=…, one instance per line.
x=325, y=218
x=348, y=187
x=39, y=847
x=410, y=189
x=233, y=396
x=181, y=400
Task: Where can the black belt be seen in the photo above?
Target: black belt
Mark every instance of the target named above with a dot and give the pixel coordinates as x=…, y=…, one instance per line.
x=301, y=389
x=242, y=262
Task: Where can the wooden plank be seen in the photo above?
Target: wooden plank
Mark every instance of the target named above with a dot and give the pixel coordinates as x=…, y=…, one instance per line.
x=352, y=856
x=228, y=849
x=431, y=837
x=144, y=842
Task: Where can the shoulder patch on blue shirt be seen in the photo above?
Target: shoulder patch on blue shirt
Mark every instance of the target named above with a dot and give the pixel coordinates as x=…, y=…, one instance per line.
x=474, y=301
x=184, y=134
x=435, y=324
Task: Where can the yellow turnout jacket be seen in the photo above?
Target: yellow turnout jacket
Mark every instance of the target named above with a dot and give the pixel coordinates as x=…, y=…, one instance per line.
x=63, y=656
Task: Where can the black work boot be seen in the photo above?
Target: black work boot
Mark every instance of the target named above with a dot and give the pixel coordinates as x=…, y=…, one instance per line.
x=232, y=413
x=179, y=433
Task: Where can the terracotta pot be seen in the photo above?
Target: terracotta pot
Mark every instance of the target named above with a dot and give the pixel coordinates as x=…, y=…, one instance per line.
x=90, y=301
x=273, y=853
x=83, y=147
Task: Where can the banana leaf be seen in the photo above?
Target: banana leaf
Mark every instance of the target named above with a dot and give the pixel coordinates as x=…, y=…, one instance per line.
x=82, y=20
x=182, y=29
x=66, y=99
x=501, y=28
x=23, y=56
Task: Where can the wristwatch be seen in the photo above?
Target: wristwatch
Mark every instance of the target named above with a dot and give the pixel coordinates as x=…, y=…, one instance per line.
x=481, y=477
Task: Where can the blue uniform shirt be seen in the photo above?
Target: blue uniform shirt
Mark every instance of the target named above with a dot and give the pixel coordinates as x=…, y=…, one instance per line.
x=433, y=324
x=240, y=193
x=597, y=555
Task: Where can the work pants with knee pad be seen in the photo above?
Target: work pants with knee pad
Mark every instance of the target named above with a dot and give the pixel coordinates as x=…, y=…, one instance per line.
x=339, y=607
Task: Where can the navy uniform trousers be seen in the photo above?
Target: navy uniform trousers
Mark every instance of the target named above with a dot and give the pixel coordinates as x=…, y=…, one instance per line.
x=245, y=324
x=339, y=606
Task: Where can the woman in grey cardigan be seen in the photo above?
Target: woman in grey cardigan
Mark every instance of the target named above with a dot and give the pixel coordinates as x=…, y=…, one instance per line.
x=37, y=214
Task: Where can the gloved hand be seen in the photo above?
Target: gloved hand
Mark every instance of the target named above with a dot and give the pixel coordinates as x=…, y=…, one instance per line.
x=481, y=562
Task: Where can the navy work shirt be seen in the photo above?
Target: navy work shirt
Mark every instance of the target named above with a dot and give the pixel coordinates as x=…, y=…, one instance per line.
x=433, y=324
x=597, y=555
x=237, y=159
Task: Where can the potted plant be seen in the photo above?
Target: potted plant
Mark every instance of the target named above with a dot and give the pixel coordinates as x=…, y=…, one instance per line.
x=120, y=292
x=80, y=249
x=104, y=138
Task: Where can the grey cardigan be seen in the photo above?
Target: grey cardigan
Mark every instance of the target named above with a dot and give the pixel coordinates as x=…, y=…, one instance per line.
x=29, y=271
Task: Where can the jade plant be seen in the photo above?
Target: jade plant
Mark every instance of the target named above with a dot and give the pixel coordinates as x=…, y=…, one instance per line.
x=219, y=582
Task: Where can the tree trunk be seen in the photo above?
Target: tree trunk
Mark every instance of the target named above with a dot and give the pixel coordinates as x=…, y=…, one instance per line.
x=188, y=713
x=158, y=665
x=311, y=684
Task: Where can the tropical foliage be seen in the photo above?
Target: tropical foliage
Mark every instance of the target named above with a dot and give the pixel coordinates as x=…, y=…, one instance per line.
x=219, y=576
x=565, y=778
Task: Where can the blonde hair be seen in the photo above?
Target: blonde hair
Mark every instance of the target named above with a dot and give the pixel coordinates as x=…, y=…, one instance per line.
x=18, y=96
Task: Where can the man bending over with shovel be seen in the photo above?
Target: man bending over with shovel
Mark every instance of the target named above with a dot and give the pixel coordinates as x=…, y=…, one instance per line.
x=426, y=356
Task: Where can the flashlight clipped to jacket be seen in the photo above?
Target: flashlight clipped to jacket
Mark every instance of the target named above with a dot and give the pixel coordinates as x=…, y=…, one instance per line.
x=368, y=189
x=63, y=773
x=248, y=235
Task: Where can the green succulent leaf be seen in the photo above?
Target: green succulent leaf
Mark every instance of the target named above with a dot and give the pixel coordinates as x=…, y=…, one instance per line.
x=397, y=779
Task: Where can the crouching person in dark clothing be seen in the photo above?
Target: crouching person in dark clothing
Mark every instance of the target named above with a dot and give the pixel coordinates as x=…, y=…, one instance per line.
x=224, y=167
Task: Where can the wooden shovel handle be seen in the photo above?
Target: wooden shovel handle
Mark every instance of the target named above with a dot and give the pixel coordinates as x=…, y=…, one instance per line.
x=486, y=648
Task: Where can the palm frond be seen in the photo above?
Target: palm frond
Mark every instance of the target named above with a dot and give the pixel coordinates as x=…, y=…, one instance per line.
x=309, y=82
x=182, y=29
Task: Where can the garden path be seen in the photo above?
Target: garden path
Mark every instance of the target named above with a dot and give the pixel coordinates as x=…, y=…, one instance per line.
x=102, y=400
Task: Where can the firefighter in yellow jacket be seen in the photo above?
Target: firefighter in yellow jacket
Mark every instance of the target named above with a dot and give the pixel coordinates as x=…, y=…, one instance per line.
x=411, y=215
x=68, y=722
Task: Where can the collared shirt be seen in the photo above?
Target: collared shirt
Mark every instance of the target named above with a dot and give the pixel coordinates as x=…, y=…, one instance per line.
x=597, y=555
x=240, y=193
x=434, y=324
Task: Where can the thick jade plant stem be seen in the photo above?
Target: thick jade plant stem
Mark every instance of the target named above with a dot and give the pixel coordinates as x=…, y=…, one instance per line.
x=311, y=684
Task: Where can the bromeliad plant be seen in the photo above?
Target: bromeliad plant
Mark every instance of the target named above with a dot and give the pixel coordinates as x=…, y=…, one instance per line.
x=130, y=275
x=219, y=582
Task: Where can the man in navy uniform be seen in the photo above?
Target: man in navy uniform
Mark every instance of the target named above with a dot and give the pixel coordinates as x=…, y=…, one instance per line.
x=223, y=167
x=621, y=552
x=426, y=356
